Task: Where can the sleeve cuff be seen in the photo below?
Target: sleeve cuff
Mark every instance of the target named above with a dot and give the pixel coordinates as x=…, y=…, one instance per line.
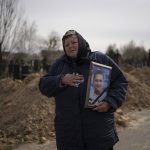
x=112, y=102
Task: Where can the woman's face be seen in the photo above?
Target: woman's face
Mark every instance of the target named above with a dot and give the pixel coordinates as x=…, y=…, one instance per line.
x=98, y=82
x=71, y=46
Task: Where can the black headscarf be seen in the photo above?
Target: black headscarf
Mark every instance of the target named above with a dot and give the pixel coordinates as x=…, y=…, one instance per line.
x=83, y=49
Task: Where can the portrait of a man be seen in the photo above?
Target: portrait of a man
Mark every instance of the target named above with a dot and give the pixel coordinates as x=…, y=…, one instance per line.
x=98, y=84
x=97, y=87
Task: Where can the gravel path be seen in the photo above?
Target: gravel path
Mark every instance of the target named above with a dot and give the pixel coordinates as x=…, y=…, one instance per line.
x=136, y=137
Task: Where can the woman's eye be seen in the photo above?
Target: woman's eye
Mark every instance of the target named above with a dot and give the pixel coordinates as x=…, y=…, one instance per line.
x=74, y=42
x=66, y=45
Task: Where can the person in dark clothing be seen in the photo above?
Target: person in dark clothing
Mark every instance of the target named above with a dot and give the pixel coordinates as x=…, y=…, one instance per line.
x=77, y=127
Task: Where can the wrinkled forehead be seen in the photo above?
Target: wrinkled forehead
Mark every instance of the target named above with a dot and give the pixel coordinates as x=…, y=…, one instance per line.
x=71, y=37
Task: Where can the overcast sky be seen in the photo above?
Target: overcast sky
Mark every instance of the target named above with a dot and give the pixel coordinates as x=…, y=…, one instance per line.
x=100, y=22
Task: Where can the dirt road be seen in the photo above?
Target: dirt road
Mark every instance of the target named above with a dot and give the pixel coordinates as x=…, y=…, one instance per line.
x=136, y=137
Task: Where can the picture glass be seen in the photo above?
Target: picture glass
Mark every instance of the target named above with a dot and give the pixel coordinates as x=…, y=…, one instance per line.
x=98, y=84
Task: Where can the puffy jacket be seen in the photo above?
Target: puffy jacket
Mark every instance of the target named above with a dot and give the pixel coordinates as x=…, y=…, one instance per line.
x=79, y=128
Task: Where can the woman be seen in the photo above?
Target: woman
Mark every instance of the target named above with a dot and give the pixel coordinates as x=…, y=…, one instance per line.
x=79, y=128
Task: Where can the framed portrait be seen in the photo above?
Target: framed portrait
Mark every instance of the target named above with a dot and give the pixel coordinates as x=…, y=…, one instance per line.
x=98, y=84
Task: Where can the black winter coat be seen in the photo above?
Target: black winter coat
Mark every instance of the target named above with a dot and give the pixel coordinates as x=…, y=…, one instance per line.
x=79, y=128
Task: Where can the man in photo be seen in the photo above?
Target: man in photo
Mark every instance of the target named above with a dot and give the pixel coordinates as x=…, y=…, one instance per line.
x=97, y=88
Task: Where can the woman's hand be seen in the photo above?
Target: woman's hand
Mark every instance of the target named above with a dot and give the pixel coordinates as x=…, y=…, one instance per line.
x=72, y=79
x=102, y=107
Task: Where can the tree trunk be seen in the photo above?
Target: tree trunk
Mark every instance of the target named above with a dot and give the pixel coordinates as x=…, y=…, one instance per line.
x=0, y=53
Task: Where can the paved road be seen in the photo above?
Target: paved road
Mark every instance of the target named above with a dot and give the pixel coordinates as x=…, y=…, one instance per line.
x=132, y=138
x=138, y=136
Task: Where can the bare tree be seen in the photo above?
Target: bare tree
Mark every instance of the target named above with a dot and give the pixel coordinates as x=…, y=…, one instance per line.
x=10, y=25
x=135, y=55
x=148, y=61
x=27, y=39
x=53, y=42
x=111, y=51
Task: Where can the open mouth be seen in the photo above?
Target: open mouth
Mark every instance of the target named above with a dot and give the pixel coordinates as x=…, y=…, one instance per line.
x=72, y=51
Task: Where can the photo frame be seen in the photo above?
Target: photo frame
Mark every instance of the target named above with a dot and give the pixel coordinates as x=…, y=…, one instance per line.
x=98, y=84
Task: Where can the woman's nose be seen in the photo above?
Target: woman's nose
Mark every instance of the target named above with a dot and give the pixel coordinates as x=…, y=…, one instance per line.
x=70, y=45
